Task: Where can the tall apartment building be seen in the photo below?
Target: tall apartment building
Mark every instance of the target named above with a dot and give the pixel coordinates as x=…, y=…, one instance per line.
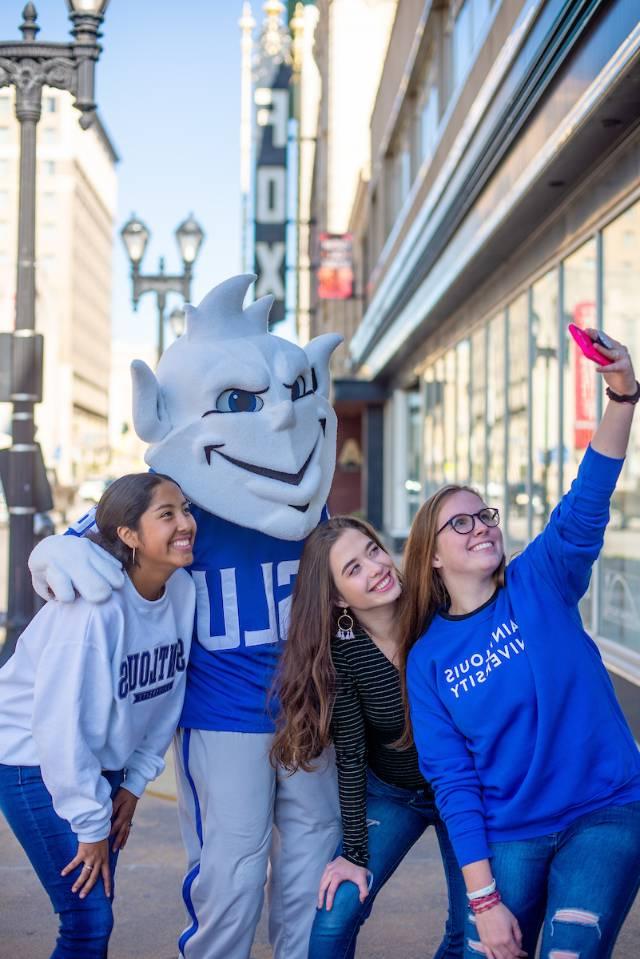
x=75, y=212
x=503, y=202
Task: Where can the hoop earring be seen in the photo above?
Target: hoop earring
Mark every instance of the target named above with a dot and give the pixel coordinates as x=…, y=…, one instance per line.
x=345, y=630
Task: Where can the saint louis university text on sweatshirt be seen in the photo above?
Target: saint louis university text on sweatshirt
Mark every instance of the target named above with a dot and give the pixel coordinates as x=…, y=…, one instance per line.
x=93, y=687
x=514, y=716
x=244, y=580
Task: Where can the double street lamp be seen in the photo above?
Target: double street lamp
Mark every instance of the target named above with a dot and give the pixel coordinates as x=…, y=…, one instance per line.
x=189, y=236
x=29, y=65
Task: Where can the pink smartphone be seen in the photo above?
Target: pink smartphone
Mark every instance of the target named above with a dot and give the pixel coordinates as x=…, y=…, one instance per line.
x=586, y=344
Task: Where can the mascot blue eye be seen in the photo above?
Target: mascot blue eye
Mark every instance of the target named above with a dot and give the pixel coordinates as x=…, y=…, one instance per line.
x=299, y=389
x=239, y=401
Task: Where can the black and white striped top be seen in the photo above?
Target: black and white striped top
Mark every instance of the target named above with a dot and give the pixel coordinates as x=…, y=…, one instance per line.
x=368, y=715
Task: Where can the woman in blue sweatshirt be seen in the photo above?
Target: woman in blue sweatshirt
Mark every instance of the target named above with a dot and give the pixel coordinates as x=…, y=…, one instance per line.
x=535, y=771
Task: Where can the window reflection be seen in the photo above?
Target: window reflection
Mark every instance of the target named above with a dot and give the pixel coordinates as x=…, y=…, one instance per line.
x=620, y=564
x=433, y=452
x=545, y=409
x=413, y=485
x=478, y=410
x=579, y=416
x=495, y=410
x=449, y=417
x=463, y=411
x=518, y=441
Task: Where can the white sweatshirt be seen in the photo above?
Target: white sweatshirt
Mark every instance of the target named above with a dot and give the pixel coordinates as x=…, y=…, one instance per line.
x=93, y=687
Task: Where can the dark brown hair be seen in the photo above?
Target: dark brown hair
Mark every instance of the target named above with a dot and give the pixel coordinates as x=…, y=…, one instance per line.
x=305, y=683
x=122, y=504
x=424, y=590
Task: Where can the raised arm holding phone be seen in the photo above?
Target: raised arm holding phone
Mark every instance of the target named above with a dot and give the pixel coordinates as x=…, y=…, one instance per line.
x=535, y=771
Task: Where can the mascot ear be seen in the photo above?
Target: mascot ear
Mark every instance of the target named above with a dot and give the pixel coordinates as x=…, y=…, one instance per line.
x=319, y=352
x=150, y=417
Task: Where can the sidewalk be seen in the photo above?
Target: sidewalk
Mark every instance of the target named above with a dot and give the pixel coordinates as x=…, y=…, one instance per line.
x=406, y=922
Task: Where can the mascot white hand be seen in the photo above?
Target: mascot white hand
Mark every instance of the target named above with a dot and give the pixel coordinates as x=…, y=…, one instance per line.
x=65, y=566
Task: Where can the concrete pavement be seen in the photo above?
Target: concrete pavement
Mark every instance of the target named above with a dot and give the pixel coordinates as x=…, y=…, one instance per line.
x=406, y=923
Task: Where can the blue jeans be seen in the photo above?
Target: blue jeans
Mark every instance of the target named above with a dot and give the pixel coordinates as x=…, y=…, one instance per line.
x=397, y=818
x=577, y=885
x=85, y=924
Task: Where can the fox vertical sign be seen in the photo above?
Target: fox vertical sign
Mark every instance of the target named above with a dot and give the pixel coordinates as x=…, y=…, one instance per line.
x=272, y=121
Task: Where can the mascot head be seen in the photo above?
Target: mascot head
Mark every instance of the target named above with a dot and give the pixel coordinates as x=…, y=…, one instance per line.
x=240, y=418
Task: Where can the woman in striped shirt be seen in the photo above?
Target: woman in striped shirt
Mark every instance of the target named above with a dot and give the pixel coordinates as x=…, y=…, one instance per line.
x=339, y=684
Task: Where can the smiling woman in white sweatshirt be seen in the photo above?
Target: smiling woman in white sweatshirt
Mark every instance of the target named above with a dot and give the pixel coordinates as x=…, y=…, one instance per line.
x=89, y=703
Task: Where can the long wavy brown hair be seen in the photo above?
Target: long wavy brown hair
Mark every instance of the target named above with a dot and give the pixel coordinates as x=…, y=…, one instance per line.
x=305, y=683
x=424, y=592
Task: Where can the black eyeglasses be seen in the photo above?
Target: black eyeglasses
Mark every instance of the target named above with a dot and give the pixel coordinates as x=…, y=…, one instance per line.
x=466, y=522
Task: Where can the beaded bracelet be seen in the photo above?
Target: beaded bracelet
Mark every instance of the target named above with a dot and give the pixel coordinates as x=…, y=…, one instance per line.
x=486, y=903
x=481, y=893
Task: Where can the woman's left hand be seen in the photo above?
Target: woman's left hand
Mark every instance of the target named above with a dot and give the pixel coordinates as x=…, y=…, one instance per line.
x=124, y=806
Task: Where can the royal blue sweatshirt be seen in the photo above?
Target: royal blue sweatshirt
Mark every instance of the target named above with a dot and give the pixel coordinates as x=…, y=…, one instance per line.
x=514, y=716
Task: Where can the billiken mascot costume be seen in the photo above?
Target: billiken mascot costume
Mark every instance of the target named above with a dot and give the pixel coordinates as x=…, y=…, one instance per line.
x=241, y=419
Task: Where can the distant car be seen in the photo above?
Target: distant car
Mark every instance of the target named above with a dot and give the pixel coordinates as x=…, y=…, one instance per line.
x=91, y=490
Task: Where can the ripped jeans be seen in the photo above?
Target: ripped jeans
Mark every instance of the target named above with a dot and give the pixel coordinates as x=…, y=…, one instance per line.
x=397, y=818
x=576, y=885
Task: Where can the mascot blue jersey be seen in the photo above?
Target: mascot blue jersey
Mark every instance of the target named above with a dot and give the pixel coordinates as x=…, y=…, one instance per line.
x=243, y=583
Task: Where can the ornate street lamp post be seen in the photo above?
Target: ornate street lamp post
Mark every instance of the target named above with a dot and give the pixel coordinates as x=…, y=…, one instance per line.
x=29, y=65
x=135, y=236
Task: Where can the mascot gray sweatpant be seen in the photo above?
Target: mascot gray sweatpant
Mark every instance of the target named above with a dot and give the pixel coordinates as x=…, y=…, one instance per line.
x=238, y=815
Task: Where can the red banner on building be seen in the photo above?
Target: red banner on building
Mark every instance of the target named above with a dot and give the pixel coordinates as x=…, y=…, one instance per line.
x=335, y=273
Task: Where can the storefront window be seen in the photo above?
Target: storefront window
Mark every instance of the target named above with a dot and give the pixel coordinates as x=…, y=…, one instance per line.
x=478, y=410
x=579, y=400
x=433, y=435
x=496, y=409
x=413, y=484
x=620, y=564
x=463, y=410
x=449, y=417
x=518, y=443
x=545, y=400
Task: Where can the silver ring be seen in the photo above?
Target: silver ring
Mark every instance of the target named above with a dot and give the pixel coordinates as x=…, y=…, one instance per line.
x=90, y=868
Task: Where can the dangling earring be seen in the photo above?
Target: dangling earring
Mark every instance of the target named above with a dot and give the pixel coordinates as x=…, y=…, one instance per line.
x=133, y=556
x=345, y=629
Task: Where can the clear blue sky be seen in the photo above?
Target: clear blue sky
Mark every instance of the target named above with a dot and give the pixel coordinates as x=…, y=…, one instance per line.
x=168, y=92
